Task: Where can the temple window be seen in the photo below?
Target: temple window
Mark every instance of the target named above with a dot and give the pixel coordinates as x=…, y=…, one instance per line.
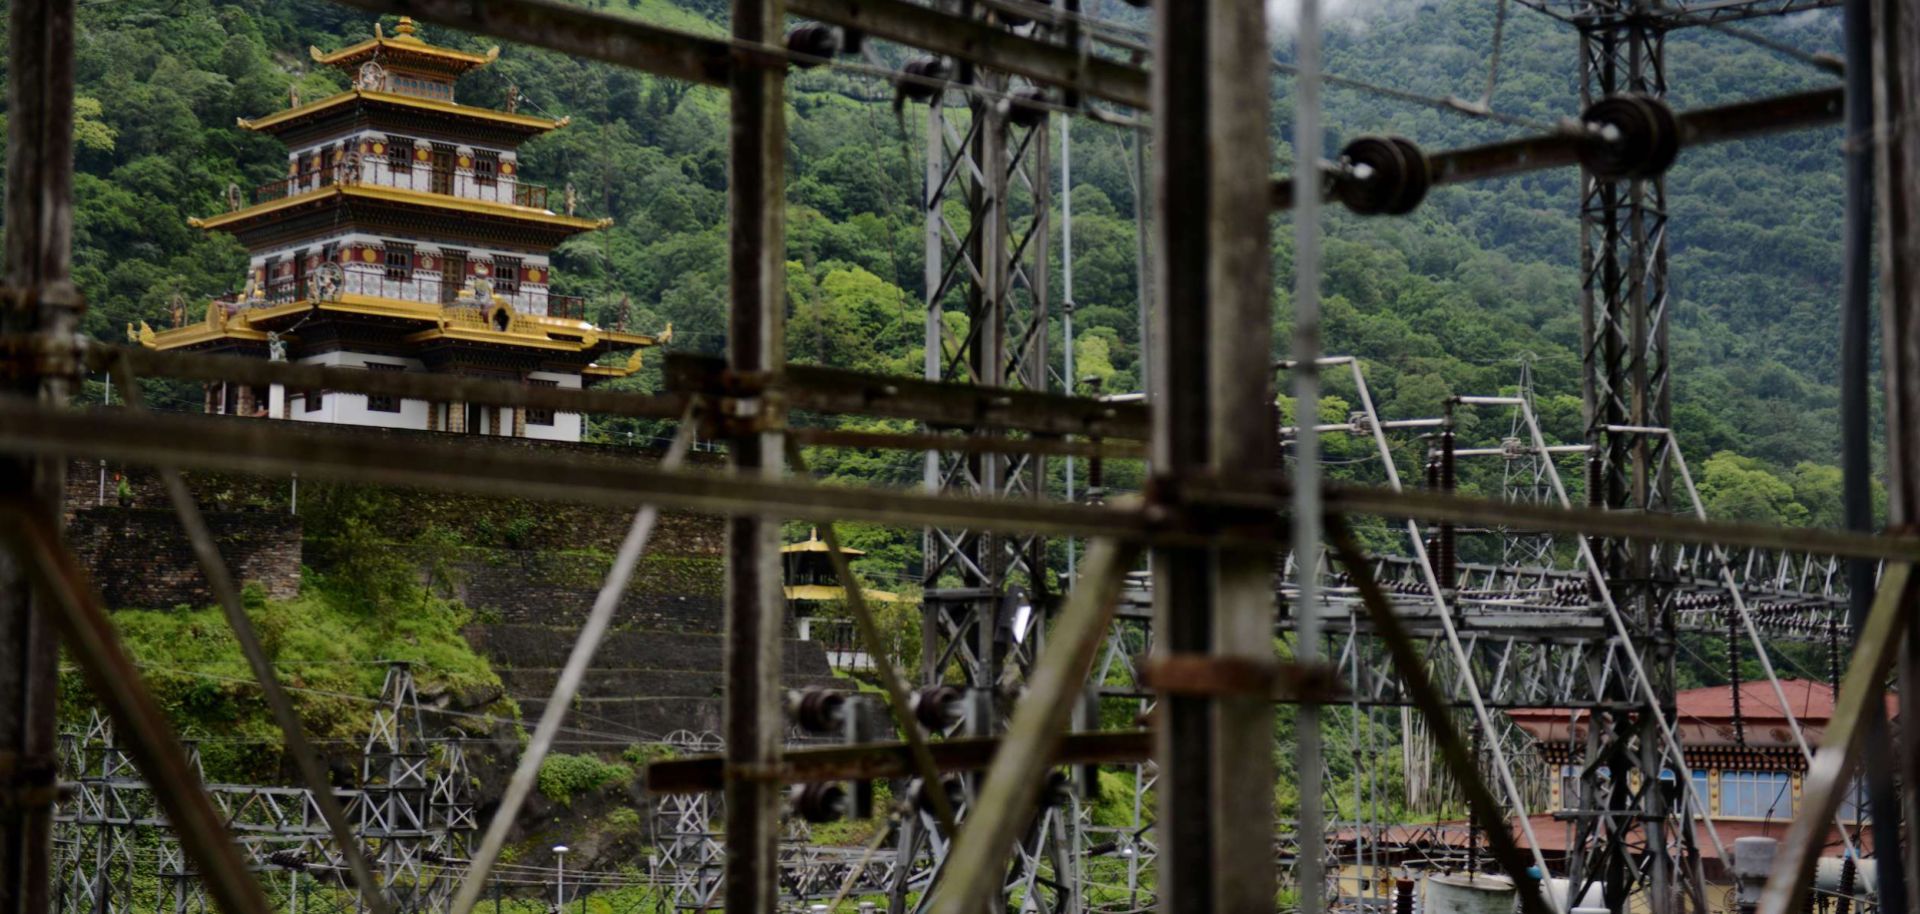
x=424, y=88
x=486, y=167
x=540, y=416
x=1756, y=794
x=506, y=276
x=383, y=404
x=399, y=153
x=314, y=401
x=399, y=262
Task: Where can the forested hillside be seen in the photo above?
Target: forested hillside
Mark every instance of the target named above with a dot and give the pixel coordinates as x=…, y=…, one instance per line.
x=1449, y=300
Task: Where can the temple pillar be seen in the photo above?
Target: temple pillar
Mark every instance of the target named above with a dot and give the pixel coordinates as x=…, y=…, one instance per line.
x=519, y=422
x=277, y=401
x=456, y=417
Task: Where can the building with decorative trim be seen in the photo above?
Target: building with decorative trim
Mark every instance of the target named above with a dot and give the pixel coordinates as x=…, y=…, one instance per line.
x=403, y=239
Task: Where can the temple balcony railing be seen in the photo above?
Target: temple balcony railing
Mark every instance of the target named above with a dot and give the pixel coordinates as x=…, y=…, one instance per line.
x=376, y=281
x=404, y=174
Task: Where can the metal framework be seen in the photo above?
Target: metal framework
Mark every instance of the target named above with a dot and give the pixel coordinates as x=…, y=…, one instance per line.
x=413, y=808
x=1598, y=635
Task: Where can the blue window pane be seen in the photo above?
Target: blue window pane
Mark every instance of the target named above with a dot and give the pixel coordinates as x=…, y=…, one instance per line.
x=1853, y=801
x=1756, y=794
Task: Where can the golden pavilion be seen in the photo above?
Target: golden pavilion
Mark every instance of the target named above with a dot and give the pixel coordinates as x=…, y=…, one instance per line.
x=403, y=239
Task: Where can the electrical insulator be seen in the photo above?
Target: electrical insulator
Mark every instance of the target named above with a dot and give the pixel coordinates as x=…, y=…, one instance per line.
x=1385, y=175
x=818, y=710
x=917, y=792
x=924, y=77
x=822, y=802
x=1028, y=107
x=1058, y=790
x=938, y=707
x=1631, y=135
x=813, y=44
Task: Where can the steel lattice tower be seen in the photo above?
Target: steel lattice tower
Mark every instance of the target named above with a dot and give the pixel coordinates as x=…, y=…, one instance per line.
x=986, y=201
x=1631, y=833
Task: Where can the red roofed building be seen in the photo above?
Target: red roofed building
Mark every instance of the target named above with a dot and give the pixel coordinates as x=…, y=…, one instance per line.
x=1747, y=767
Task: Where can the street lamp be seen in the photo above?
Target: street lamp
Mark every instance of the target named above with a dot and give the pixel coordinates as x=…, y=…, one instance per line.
x=559, y=878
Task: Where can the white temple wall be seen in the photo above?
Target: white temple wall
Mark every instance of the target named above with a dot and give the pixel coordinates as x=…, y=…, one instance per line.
x=338, y=408
x=566, y=426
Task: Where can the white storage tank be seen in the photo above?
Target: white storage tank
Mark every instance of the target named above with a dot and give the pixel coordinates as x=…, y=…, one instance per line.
x=1469, y=893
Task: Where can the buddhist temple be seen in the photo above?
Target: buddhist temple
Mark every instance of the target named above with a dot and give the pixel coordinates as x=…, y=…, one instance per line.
x=403, y=239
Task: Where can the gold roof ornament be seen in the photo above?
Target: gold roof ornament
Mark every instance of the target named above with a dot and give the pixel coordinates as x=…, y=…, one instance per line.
x=404, y=47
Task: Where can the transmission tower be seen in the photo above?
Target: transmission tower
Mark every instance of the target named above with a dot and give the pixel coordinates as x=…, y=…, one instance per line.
x=986, y=202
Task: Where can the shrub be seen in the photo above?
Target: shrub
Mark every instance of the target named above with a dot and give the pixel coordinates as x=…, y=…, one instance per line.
x=563, y=776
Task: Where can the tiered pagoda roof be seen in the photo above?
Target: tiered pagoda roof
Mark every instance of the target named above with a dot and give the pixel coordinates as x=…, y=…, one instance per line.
x=404, y=87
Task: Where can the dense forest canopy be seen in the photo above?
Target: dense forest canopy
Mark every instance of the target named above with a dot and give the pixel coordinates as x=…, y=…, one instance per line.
x=1452, y=299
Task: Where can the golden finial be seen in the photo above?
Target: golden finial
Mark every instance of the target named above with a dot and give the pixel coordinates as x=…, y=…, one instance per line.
x=405, y=28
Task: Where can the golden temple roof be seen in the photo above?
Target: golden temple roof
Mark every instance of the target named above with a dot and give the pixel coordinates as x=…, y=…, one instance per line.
x=403, y=195
x=824, y=592
x=443, y=322
x=342, y=99
x=405, y=46
x=815, y=544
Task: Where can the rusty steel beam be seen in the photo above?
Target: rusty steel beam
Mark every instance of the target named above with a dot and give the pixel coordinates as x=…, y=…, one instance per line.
x=837, y=391
x=249, y=445
x=263, y=446
x=751, y=720
x=985, y=45
x=33, y=535
x=298, y=376
x=578, y=32
x=830, y=391
x=859, y=440
x=38, y=297
x=1896, y=154
x=887, y=760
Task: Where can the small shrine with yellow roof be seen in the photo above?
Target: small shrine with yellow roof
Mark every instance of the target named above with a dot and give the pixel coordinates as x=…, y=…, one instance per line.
x=403, y=239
